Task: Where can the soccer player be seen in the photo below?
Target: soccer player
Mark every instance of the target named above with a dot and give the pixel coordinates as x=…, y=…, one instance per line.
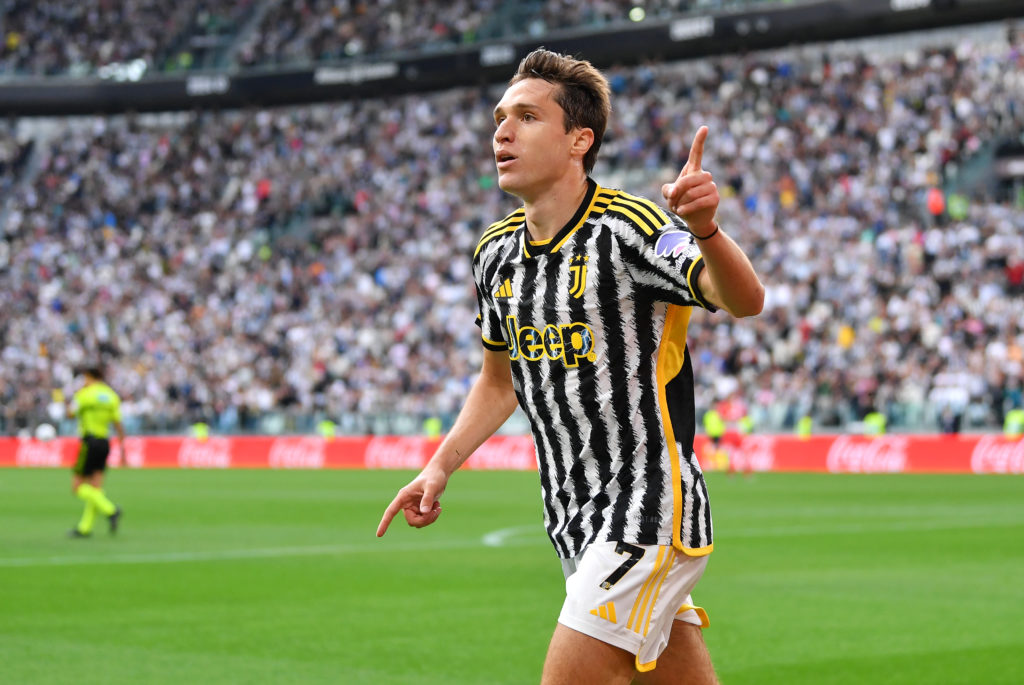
x=585, y=294
x=97, y=406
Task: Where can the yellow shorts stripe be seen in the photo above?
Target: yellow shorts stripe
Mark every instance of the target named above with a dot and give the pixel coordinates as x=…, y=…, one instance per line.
x=643, y=588
x=657, y=591
x=646, y=592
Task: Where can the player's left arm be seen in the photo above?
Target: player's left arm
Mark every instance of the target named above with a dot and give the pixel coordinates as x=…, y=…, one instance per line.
x=728, y=279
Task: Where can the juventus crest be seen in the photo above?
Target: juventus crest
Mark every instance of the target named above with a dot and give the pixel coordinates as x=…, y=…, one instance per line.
x=578, y=269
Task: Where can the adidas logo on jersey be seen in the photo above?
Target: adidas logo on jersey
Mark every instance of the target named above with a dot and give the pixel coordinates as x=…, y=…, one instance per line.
x=505, y=290
x=605, y=611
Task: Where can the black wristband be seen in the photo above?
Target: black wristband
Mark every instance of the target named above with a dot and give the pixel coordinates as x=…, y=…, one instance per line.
x=705, y=237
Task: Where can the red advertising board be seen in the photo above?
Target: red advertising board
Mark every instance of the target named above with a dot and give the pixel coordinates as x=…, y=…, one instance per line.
x=835, y=454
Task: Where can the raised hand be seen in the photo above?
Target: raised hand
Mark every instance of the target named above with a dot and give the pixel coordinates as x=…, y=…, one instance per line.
x=693, y=195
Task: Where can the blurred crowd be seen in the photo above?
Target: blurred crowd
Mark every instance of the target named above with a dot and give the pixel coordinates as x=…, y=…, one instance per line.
x=51, y=37
x=314, y=261
x=56, y=37
x=301, y=31
x=48, y=37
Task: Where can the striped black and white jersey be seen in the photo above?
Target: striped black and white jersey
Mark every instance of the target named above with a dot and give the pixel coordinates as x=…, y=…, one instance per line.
x=594, y=322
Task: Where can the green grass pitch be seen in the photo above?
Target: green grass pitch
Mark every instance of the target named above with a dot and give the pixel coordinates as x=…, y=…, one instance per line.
x=276, y=577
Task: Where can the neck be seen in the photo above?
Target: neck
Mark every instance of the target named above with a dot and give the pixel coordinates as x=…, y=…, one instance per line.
x=548, y=213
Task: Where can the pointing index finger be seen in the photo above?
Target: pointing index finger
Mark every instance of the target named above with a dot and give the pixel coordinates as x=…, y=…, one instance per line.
x=697, y=150
x=389, y=514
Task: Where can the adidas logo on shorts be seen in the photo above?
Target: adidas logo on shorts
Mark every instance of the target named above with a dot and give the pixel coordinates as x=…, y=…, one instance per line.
x=605, y=611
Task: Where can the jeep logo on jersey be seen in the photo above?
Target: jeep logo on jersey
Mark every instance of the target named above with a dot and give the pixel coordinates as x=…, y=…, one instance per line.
x=569, y=342
x=672, y=243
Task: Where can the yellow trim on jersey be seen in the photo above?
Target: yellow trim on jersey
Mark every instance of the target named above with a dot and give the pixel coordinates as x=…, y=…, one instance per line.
x=640, y=223
x=514, y=217
x=671, y=357
x=496, y=343
x=698, y=551
x=602, y=199
x=506, y=225
x=701, y=614
x=498, y=228
x=598, y=205
x=488, y=238
x=697, y=292
x=601, y=202
x=689, y=272
x=650, y=210
x=655, y=210
x=583, y=220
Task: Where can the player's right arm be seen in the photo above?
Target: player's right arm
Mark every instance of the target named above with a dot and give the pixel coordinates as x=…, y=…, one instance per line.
x=729, y=280
x=491, y=400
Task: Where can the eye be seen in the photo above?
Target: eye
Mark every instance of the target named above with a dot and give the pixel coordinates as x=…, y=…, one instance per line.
x=528, y=117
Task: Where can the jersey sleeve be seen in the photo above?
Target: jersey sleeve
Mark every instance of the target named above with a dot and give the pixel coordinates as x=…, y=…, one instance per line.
x=665, y=264
x=78, y=402
x=488, y=317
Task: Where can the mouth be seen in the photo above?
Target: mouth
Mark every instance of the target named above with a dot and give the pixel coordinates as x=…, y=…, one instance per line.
x=504, y=159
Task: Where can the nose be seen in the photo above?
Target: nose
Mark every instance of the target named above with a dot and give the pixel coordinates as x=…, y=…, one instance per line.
x=504, y=132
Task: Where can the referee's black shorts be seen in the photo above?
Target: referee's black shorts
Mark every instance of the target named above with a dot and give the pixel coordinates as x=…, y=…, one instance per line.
x=92, y=456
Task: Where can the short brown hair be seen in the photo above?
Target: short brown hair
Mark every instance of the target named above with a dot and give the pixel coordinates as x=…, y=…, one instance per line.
x=583, y=93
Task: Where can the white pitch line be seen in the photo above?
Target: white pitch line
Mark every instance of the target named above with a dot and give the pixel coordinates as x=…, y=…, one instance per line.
x=228, y=554
x=500, y=537
x=261, y=553
x=503, y=537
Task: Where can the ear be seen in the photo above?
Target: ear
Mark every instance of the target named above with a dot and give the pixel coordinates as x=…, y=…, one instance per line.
x=583, y=139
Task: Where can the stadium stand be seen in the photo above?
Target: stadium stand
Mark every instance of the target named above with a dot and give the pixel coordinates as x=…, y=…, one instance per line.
x=50, y=37
x=321, y=30
x=261, y=269
x=82, y=38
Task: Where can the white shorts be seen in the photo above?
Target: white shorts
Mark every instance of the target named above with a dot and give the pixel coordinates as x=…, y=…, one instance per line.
x=630, y=595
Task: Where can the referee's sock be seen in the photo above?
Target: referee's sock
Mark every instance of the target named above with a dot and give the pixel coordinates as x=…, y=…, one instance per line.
x=88, y=519
x=95, y=497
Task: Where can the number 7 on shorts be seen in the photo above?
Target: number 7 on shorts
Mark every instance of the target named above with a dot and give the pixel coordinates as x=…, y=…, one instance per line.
x=635, y=554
